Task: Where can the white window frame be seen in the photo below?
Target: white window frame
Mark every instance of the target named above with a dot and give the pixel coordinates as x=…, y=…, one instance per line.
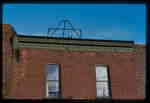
x=47, y=91
x=105, y=81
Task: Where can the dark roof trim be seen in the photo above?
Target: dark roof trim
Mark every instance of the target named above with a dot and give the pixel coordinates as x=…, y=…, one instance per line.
x=59, y=38
x=74, y=44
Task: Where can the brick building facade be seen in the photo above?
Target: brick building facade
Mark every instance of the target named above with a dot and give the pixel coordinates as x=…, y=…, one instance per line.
x=25, y=59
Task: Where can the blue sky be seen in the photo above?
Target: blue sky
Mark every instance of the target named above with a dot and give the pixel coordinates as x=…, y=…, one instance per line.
x=97, y=21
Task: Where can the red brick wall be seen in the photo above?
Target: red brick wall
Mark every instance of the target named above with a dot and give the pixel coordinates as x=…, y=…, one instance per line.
x=8, y=32
x=140, y=71
x=77, y=73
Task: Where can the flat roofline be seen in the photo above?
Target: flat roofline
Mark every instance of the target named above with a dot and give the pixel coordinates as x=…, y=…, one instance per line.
x=83, y=39
x=59, y=43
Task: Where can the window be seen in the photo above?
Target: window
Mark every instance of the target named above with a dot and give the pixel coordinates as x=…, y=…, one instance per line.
x=53, y=90
x=102, y=82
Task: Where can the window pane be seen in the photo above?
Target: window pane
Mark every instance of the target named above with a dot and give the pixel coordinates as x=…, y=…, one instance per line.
x=53, y=86
x=101, y=73
x=102, y=89
x=52, y=72
x=53, y=94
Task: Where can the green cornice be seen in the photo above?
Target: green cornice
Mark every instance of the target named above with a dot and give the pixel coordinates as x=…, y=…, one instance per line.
x=72, y=45
x=73, y=41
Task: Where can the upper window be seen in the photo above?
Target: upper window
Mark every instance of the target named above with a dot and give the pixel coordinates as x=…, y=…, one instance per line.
x=53, y=90
x=102, y=82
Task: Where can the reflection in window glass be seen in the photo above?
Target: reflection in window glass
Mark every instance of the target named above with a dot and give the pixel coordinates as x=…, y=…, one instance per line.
x=53, y=86
x=102, y=88
x=102, y=81
x=52, y=80
x=101, y=73
x=52, y=72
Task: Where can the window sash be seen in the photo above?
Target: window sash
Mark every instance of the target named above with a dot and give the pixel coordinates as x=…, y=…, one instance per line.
x=102, y=89
x=53, y=86
x=101, y=73
x=102, y=82
x=52, y=81
x=53, y=89
x=52, y=72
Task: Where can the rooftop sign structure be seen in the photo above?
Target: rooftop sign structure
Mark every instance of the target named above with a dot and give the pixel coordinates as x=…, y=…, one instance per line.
x=67, y=30
x=70, y=40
